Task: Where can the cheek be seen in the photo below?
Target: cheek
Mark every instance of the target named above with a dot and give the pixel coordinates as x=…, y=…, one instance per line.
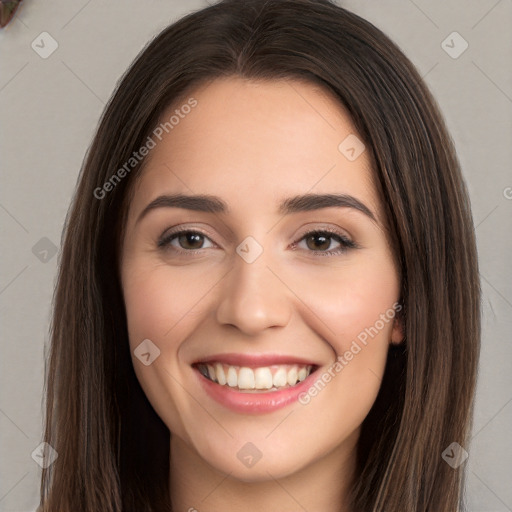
x=159, y=300
x=353, y=301
x=355, y=306
x=162, y=305
x=364, y=308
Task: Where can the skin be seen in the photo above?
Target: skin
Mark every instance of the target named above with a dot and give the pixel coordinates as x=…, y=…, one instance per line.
x=254, y=144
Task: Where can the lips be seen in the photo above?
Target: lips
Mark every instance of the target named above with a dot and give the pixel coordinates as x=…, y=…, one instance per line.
x=254, y=383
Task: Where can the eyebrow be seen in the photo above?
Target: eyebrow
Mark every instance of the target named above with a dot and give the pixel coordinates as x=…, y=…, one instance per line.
x=300, y=203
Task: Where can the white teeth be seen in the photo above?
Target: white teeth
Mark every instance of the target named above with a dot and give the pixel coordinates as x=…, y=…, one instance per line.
x=292, y=376
x=280, y=378
x=219, y=372
x=245, y=378
x=263, y=378
x=231, y=377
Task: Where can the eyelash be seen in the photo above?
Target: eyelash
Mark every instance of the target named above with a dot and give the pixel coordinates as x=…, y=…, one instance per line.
x=346, y=244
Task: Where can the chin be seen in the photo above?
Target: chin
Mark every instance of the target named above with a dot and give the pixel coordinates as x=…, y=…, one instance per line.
x=273, y=466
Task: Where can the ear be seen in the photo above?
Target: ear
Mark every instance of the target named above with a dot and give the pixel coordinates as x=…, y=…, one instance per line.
x=398, y=331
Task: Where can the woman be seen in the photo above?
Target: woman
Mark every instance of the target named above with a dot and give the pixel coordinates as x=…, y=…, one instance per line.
x=268, y=291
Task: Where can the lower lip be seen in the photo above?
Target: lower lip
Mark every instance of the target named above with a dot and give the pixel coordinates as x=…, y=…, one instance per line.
x=254, y=403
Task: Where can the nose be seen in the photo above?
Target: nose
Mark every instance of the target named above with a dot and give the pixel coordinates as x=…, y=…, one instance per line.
x=253, y=298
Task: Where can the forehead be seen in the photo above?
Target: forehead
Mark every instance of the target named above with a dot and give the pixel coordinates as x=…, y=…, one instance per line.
x=254, y=143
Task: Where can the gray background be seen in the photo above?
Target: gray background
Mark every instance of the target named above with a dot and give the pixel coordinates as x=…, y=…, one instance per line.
x=50, y=109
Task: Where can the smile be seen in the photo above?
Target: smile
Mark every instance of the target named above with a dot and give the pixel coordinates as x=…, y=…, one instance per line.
x=254, y=383
x=254, y=380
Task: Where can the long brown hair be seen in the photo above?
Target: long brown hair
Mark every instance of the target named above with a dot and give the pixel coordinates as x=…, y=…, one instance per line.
x=112, y=448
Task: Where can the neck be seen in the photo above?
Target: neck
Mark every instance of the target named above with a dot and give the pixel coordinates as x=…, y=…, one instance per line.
x=323, y=484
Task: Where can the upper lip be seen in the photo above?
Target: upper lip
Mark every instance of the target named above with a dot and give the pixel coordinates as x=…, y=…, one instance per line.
x=254, y=360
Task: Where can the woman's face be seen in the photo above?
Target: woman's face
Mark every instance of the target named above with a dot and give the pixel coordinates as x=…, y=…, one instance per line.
x=231, y=303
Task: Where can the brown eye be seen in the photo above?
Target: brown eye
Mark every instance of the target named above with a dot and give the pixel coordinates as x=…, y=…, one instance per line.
x=319, y=242
x=185, y=240
x=191, y=240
